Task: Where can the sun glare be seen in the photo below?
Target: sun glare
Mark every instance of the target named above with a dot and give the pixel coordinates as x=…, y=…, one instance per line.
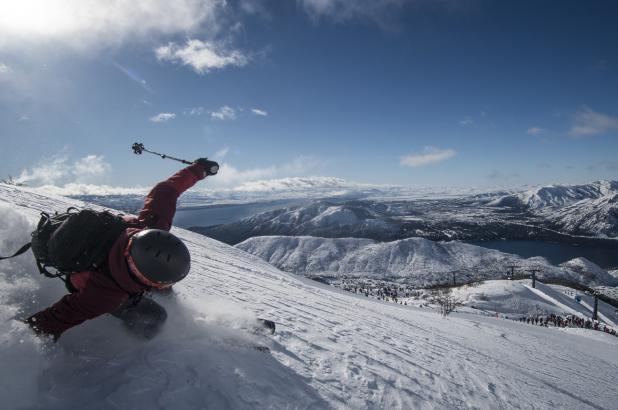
x=39, y=18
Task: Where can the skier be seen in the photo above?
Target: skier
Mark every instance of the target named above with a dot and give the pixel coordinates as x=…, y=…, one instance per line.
x=145, y=257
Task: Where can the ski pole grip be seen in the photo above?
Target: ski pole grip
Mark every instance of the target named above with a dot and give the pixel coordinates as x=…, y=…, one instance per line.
x=138, y=148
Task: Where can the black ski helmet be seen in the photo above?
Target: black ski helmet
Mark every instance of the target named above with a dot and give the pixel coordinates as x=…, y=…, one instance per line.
x=160, y=258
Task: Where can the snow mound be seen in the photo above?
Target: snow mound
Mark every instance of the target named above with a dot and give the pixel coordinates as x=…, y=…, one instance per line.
x=332, y=349
x=417, y=260
x=584, y=267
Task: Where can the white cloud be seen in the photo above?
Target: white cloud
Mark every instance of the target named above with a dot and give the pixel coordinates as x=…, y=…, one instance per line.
x=535, y=130
x=300, y=165
x=219, y=155
x=201, y=56
x=385, y=13
x=430, y=155
x=224, y=113
x=231, y=176
x=259, y=112
x=310, y=184
x=58, y=169
x=195, y=111
x=94, y=24
x=466, y=121
x=341, y=10
x=74, y=188
x=587, y=122
x=162, y=117
x=5, y=72
x=90, y=166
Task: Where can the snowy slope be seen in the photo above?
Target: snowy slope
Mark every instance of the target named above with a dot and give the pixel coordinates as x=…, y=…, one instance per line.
x=517, y=298
x=557, y=195
x=420, y=261
x=332, y=350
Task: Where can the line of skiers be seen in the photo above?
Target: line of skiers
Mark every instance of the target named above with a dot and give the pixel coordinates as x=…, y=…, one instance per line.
x=569, y=321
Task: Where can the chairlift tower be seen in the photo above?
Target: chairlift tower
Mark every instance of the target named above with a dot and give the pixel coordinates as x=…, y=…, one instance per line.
x=512, y=268
x=533, y=272
x=595, y=311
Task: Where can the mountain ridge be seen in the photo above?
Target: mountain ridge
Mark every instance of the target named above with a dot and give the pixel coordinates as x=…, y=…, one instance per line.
x=418, y=261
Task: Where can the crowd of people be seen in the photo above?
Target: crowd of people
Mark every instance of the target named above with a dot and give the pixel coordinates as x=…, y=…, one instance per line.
x=568, y=321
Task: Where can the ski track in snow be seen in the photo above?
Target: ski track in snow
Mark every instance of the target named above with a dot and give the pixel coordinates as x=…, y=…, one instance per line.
x=332, y=350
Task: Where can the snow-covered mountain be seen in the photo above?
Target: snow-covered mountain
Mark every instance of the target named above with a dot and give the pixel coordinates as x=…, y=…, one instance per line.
x=332, y=349
x=590, y=209
x=587, y=217
x=553, y=213
x=416, y=260
x=319, y=218
x=556, y=196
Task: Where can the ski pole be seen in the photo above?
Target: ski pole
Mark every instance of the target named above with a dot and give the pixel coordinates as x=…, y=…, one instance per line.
x=138, y=148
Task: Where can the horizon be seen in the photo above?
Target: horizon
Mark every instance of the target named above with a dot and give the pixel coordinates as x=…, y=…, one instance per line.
x=403, y=93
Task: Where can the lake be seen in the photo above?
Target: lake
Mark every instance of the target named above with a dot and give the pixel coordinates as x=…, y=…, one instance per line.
x=556, y=253
x=223, y=214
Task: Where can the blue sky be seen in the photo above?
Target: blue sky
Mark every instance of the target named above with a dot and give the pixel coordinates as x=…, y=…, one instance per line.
x=420, y=93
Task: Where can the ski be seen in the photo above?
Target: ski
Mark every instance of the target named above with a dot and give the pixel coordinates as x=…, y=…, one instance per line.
x=265, y=326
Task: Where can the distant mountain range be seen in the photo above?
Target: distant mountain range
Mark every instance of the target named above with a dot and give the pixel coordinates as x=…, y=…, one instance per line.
x=590, y=209
x=547, y=213
x=416, y=261
x=556, y=196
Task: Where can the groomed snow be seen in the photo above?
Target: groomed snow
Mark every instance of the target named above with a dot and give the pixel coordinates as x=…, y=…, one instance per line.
x=332, y=349
x=517, y=298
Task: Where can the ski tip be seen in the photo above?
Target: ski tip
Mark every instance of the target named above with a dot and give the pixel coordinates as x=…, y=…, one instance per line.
x=267, y=325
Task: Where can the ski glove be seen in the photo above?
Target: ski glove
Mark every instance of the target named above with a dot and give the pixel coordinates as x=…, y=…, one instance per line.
x=210, y=167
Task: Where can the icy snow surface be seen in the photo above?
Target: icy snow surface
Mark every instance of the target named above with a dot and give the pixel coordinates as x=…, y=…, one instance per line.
x=332, y=349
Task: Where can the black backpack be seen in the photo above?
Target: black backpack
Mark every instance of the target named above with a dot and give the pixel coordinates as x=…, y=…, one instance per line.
x=73, y=241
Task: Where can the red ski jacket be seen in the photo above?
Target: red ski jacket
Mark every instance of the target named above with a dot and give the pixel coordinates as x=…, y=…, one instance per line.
x=98, y=292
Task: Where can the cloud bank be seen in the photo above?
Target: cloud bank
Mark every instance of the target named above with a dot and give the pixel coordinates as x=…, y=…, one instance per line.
x=587, y=123
x=59, y=170
x=430, y=155
x=92, y=24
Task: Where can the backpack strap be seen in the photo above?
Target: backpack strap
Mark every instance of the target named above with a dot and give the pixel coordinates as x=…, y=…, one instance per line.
x=19, y=252
x=43, y=271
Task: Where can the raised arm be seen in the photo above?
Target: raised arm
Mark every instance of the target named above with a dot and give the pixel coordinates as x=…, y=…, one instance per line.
x=160, y=204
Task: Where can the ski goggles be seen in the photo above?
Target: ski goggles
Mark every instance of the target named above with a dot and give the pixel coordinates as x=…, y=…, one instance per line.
x=134, y=270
